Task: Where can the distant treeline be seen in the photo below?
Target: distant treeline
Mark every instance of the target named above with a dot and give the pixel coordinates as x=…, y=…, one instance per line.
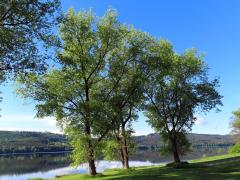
x=153, y=148
x=32, y=142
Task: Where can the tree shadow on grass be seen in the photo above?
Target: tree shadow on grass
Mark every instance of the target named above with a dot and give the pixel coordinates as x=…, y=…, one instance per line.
x=230, y=170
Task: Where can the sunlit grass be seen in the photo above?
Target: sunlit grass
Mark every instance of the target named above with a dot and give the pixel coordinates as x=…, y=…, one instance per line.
x=214, y=158
x=224, y=167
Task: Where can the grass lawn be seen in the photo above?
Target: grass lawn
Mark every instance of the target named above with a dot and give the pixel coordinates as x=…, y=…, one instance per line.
x=210, y=168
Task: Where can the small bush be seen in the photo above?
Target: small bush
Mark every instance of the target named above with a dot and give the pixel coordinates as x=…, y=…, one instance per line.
x=235, y=149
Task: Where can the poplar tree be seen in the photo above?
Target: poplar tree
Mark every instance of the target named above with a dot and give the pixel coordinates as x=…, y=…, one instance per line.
x=178, y=88
x=78, y=92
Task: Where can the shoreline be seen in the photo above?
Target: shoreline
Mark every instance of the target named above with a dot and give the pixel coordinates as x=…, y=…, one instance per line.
x=31, y=153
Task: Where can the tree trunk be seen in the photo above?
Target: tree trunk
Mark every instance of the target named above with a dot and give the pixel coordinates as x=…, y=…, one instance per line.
x=91, y=162
x=125, y=148
x=122, y=157
x=90, y=154
x=175, y=149
x=90, y=150
x=120, y=148
x=126, y=160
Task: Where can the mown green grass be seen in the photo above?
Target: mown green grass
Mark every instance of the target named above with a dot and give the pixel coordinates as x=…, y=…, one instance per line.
x=214, y=158
x=210, y=168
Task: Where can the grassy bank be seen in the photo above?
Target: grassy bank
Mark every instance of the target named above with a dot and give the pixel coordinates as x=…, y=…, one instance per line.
x=216, y=167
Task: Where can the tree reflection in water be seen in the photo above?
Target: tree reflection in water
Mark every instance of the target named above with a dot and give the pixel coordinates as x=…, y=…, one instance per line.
x=20, y=164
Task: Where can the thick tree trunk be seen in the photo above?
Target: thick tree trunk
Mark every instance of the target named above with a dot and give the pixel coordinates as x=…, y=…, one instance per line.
x=120, y=150
x=125, y=148
x=90, y=150
x=175, y=149
x=126, y=160
x=91, y=161
x=122, y=157
x=90, y=153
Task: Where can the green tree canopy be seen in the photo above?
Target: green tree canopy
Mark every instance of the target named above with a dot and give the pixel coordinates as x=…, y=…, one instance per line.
x=26, y=27
x=127, y=97
x=178, y=88
x=78, y=92
x=235, y=124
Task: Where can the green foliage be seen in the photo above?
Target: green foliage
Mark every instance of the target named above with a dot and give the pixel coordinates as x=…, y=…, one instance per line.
x=79, y=153
x=30, y=142
x=131, y=143
x=182, y=88
x=96, y=61
x=26, y=26
x=235, y=149
x=177, y=89
x=182, y=143
x=112, y=146
x=26, y=29
x=127, y=97
x=105, y=73
x=235, y=124
x=110, y=150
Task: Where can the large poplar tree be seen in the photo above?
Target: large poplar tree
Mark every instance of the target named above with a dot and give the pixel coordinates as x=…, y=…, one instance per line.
x=126, y=99
x=178, y=88
x=78, y=92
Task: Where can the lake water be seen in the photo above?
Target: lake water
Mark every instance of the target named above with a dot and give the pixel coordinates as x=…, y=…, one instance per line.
x=23, y=167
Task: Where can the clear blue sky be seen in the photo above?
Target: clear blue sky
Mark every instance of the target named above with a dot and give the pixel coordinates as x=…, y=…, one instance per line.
x=210, y=26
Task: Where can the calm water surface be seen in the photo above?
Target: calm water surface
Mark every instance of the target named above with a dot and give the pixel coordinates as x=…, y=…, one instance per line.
x=23, y=167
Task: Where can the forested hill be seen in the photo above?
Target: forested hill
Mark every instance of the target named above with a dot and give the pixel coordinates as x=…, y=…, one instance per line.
x=153, y=141
x=27, y=142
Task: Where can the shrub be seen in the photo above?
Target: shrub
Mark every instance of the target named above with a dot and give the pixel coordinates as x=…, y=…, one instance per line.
x=235, y=148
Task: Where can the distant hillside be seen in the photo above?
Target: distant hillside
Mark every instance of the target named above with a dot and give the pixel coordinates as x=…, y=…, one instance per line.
x=27, y=142
x=155, y=139
x=202, y=145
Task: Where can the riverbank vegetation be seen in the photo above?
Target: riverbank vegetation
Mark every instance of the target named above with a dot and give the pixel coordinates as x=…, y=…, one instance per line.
x=235, y=125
